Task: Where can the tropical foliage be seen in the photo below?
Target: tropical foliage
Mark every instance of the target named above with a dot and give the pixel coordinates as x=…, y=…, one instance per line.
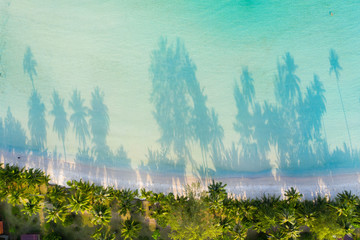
x=197, y=214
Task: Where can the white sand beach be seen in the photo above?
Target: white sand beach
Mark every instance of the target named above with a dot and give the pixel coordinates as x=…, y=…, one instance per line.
x=243, y=187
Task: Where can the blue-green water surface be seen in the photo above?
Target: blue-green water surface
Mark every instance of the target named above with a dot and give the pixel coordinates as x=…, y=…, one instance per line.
x=191, y=87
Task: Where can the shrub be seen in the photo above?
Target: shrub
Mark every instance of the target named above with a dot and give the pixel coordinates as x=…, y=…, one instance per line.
x=52, y=236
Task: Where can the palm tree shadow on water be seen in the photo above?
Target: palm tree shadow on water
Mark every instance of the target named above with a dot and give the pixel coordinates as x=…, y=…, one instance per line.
x=335, y=67
x=217, y=145
x=29, y=65
x=183, y=117
x=78, y=118
x=81, y=129
x=172, y=110
x=37, y=125
x=61, y=124
x=180, y=110
x=12, y=138
x=16, y=148
x=160, y=164
x=99, y=127
x=292, y=127
x=93, y=123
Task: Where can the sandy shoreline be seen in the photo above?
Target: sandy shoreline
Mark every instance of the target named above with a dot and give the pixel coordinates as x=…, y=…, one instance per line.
x=245, y=187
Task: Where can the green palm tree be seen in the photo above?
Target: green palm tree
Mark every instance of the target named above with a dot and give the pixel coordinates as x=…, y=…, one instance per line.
x=57, y=194
x=347, y=198
x=335, y=67
x=56, y=213
x=347, y=207
x=84, y=187
x=288, y=226
x=130, y=229
x=17, y=196
x=125, y=197
x=101, y=214
x=79, y=202
x=306, y=214
x=32, y=206
x=243, y=212
x=12, y=178
x=78, y=118
x=101, y=234
x=103, y=195
x=35, y=178
x=11, y=175
x=61, y=124
x=216, y=196
x=293, y=196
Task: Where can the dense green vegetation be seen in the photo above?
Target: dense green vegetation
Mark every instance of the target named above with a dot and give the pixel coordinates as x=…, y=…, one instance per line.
x=84, y=210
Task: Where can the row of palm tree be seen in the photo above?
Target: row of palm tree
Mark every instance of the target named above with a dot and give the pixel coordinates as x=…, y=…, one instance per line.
x=30, y=189
x=21, y=186
x=211, y=214
x=215, y=215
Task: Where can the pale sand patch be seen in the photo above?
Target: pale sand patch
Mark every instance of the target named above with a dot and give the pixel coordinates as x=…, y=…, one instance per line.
x=242, y=187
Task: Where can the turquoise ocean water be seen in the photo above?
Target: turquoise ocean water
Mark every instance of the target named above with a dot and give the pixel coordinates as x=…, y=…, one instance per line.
x=201, y=87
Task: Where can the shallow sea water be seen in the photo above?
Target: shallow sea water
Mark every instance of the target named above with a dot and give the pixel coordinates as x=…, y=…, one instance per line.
x=105, y=51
